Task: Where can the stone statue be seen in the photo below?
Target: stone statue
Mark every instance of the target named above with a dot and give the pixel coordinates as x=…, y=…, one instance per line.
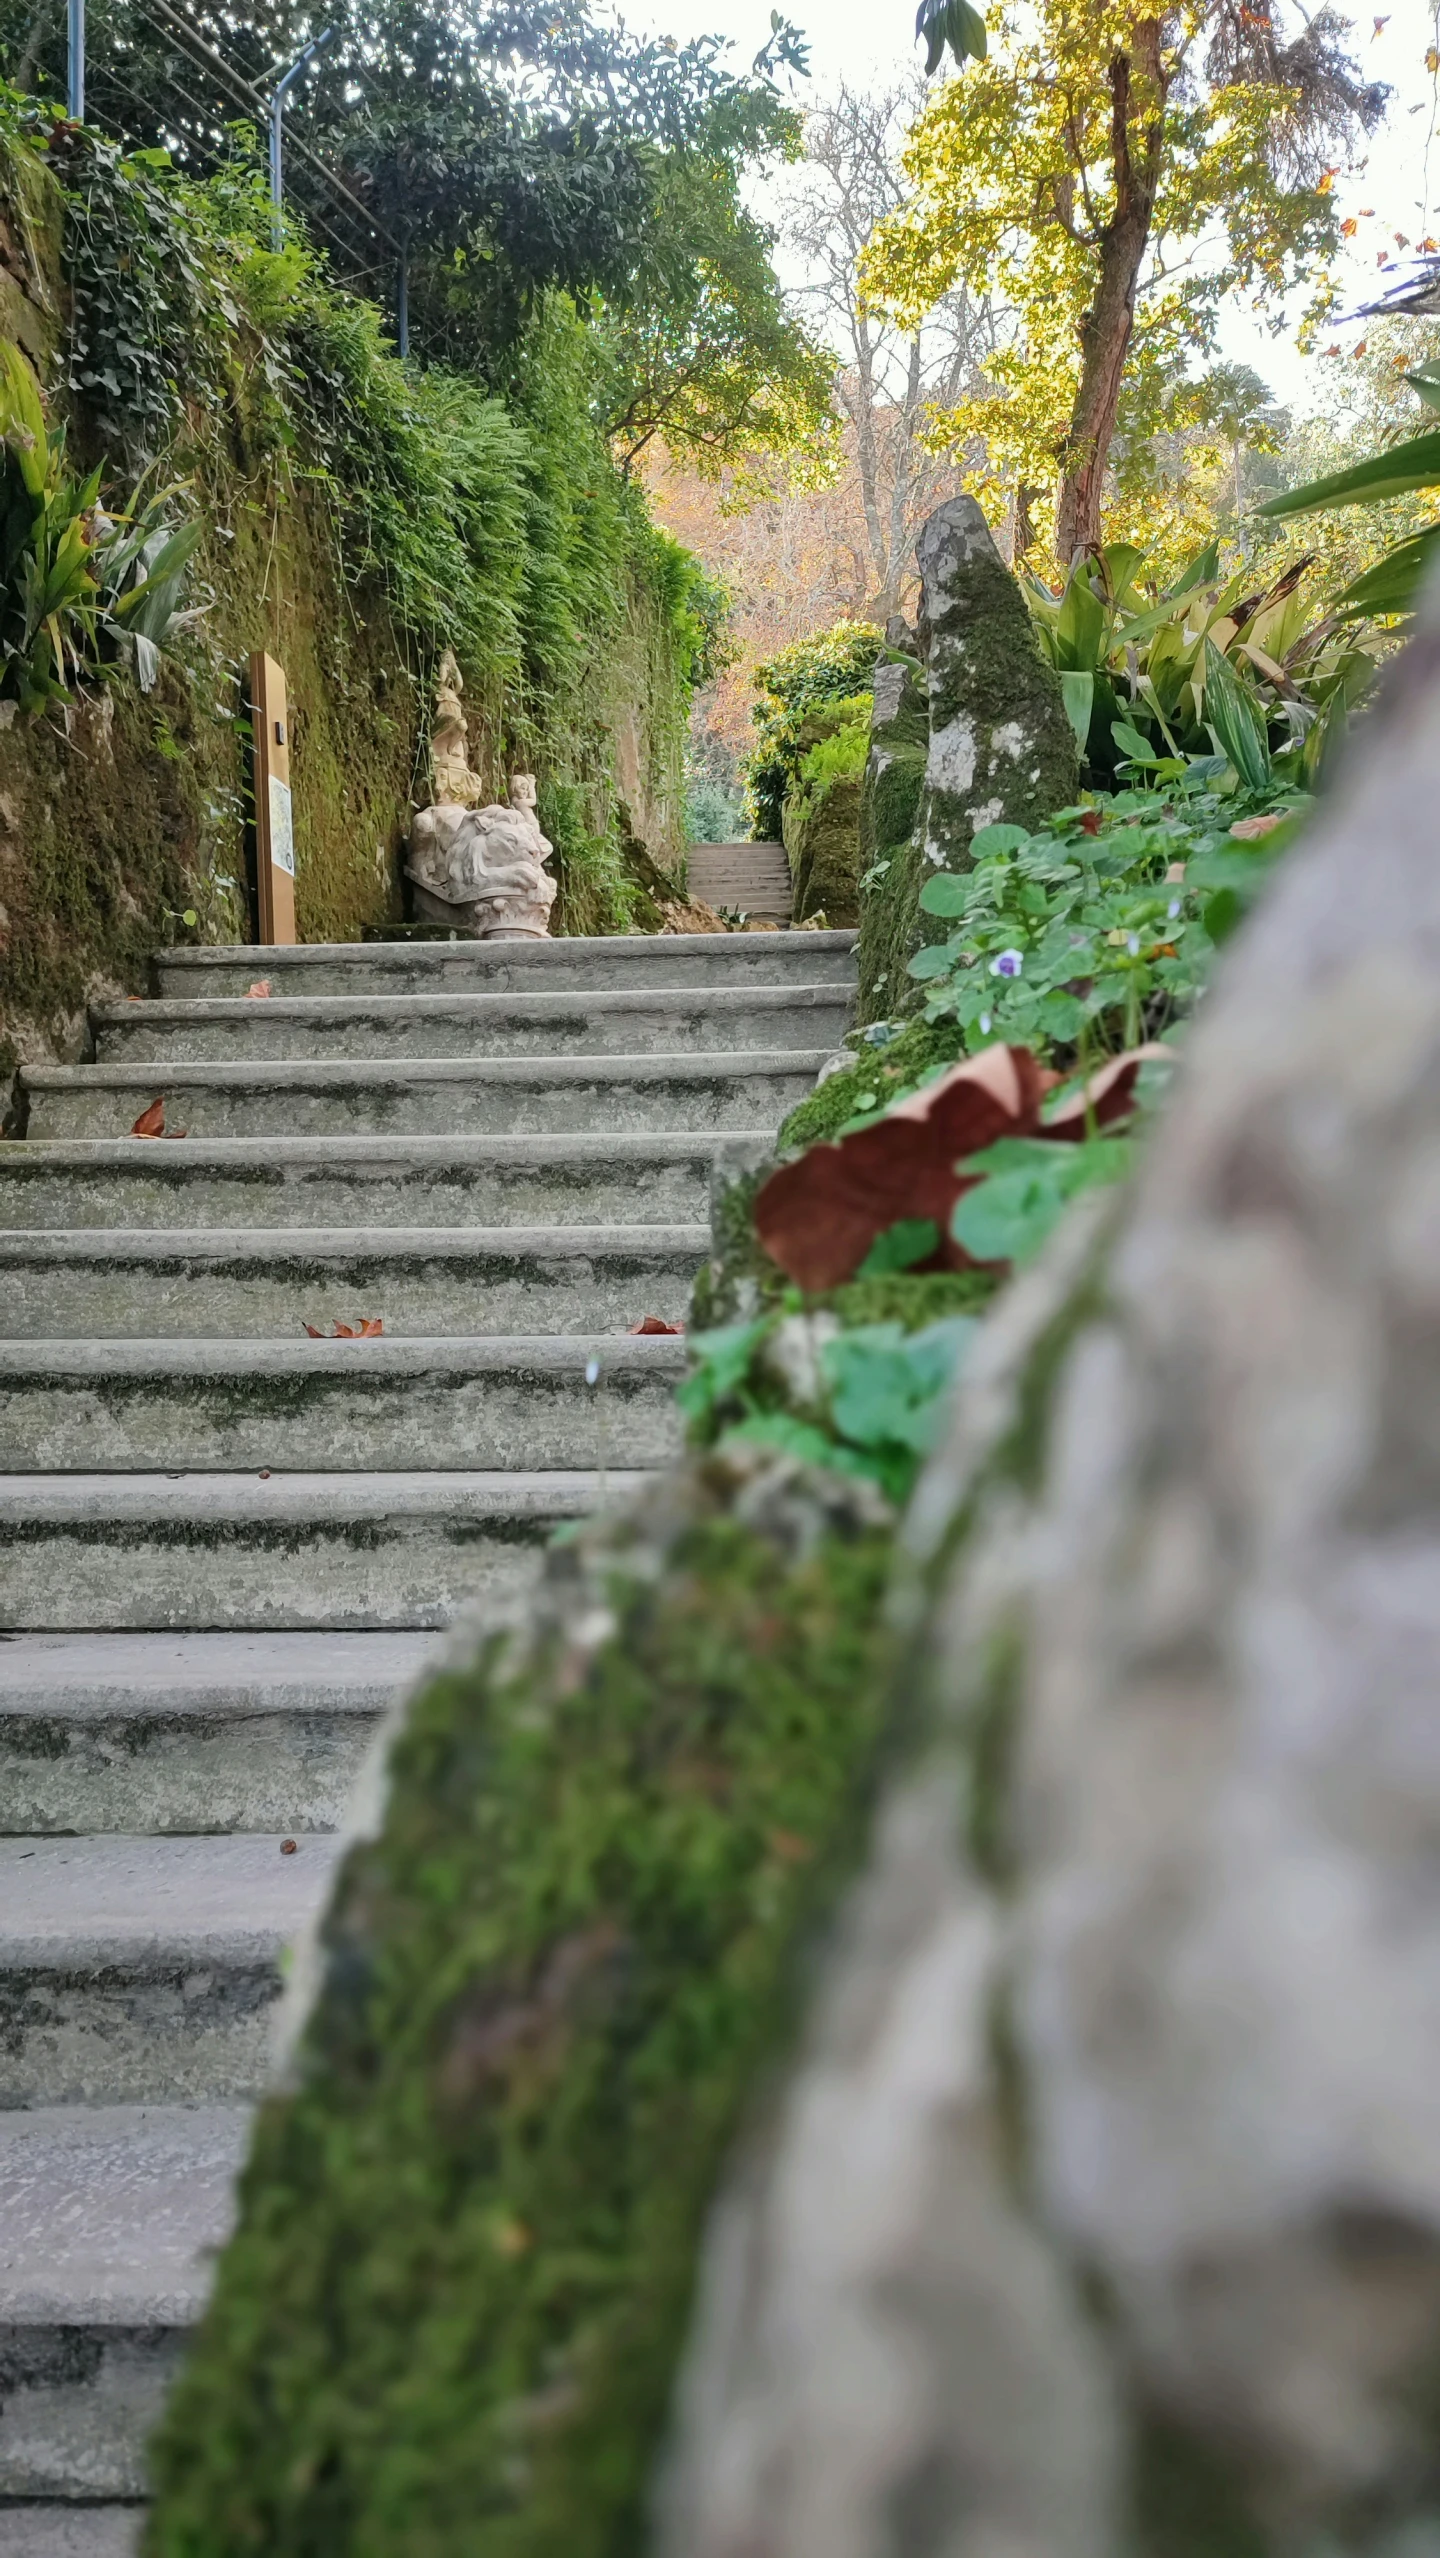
x=479, y=870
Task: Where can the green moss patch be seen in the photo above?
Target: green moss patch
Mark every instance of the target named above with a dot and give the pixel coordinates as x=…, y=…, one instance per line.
x=886, y=1073
x=449, y=2324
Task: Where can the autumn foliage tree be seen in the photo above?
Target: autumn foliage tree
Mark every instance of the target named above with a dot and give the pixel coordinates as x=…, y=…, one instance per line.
x=1112, y=173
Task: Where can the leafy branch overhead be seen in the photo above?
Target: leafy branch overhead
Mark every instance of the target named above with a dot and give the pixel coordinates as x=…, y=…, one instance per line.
x=1070, y=173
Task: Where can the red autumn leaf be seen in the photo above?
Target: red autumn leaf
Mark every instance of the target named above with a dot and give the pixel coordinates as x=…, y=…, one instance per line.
x=260, y=987
x=316, y=1331
x=371, y=1328
x=819, y=1217
x=343, y=1332
x=1090, y=822
x=652, y=1324
x=151, y=1122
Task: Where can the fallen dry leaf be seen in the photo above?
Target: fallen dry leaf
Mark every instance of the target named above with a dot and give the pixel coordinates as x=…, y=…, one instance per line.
x=369, y=1328
x=151, y=1122
x=652, y=1324
x=818, y=1217
x=260, y=987
x=1248, y=830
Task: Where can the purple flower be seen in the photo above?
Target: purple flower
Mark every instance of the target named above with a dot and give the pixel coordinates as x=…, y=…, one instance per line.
x=1009, y=964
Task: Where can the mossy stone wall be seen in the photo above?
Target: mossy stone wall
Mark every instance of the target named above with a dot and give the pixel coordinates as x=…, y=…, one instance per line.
x=122, y=815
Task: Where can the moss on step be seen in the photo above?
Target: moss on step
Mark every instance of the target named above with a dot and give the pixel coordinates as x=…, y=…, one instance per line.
x=448, y=2326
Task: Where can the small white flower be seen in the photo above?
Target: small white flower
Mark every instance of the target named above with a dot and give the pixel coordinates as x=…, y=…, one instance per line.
x=1133, y=945
x=1009, y=964
x=984, y=1025
x=1173, y=909
x=592, y=1372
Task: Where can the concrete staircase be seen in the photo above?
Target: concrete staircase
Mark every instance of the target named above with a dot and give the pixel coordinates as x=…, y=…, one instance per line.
x=225, y=1545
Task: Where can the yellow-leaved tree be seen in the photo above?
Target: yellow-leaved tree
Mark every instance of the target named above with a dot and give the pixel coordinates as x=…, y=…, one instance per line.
x=1111, y=173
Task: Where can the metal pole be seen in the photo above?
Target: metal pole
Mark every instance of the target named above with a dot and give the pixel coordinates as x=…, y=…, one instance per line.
x=75, y=76
x=402, y=299
x=277, y=127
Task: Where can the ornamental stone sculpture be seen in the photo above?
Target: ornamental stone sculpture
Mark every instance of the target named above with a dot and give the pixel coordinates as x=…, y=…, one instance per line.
x=479, y=870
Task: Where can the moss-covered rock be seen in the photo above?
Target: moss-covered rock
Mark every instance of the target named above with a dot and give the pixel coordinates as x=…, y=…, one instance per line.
x=891, y=926
x=448, y=2325
x=980, y=737
x=822, y=843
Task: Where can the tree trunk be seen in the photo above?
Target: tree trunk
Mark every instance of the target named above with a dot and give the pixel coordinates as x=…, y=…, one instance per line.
x=1109, y=324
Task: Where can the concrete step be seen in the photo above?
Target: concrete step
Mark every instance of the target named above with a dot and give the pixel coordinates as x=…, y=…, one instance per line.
x=647, y=1178
x=70, y=2531
x=94, y=1284
x=221, y=1551
x=108, y=2220
x=514, y=968
x=677, y=1022
x=433, y=1097
x=342, y=1406
x=192, y=1732
x=140, y=1970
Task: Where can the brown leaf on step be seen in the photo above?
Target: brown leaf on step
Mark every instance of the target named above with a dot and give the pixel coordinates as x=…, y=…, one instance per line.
x=371, y=1328
x=819, y=1217
x=652, y=1324
x=151, y=1122
x=343, y=1332
x=316, y=1331
x=260, y=987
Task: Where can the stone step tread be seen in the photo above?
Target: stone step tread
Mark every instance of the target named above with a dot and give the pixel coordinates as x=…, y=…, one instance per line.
x=350, y=1074
x=111, y=1900
x=70, y=2531
x=221, y=1500
x=99, y=1677
x=453, y=1355
x=549, y=1005
x=564, y=950
x=627, y=1147
x=113, y=1246
x=109, y=2214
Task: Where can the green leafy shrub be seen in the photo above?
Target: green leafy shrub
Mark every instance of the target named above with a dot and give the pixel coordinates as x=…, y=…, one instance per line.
x=1153, y=679
x=79, y=587
x=836, y=666
x=1412, y=463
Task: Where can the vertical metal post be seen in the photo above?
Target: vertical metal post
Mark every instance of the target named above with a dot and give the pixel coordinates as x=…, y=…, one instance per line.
x=402, y=298
x=75, y=72
x=277, y=130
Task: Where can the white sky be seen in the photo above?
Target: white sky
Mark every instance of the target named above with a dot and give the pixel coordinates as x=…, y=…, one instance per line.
x=863, y=40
